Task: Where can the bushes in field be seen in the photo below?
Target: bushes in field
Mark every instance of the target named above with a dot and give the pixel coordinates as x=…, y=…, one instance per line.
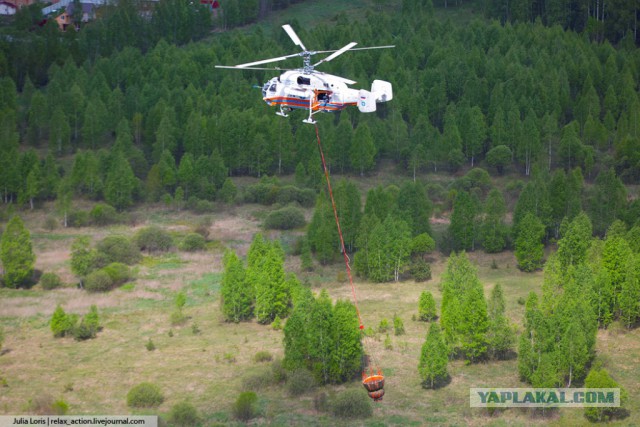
x=107, y=278
x=50, y=281
x=117, y=249
x=145, y=395
x=285, y=219
x=352, y=403
x=184, y=414
x=153, y=239
x=63, y=324
x=246, y=406
x=192, y=242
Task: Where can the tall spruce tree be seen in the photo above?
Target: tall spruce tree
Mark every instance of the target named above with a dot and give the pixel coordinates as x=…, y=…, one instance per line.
x=237, y=294
x=427, y=307
x=500, y=334
x=462, y=229
x=529, y=246
x=433, y=359
x=16, y=254
x=493, y=231
x=464, y=310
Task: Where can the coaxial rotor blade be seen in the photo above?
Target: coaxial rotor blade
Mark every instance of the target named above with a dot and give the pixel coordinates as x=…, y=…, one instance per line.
x=336, y=53
x=358, y=48
x=266, y=61
x=253, y=68
x=292, y=34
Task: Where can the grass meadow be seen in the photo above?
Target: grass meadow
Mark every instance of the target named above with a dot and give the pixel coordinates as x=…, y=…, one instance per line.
x=208, y=362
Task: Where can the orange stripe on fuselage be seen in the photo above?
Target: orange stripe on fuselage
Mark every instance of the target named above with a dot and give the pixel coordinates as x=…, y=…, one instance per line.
x=304, y=104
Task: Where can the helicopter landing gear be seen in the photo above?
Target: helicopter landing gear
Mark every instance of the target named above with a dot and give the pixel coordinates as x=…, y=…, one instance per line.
x=312, y=96
x=283, y=111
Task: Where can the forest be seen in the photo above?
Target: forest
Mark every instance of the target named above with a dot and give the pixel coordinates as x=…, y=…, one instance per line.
x=514, y=133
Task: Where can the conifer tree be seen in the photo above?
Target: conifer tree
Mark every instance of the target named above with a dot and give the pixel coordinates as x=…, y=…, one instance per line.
x=265, y=273
x=464, y=310
x=120, y=183
x=82, y=257
x=500, y=334
x=599, y=378
x=346, y=357
x=529, y=246
x=320, y=338
x=16, y=254
x=61, y=323
x=296, y=346
x=427, y=307
x=629, y=297
x=462, y=228
x=237, y=294
x=572, y=248
x=433, y=358
x=493, y=231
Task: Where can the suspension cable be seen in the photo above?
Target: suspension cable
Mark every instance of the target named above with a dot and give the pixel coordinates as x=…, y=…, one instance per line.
x=335, y=214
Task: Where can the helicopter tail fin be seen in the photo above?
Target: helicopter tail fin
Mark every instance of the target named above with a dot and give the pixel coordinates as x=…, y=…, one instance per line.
x=366, y=101
x=382, y=91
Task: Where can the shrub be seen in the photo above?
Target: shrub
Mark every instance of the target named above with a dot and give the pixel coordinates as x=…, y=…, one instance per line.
x=352, y=403
x=118, y=249
x=150, y=346
x=184, y=414
x=420, y=270
x=398, y=325
x=98, y=281
x=388, y=345
x=50, y=281
x=299, y=382
x=89, y=326
x=262, y=193
x=118, y=273
x=384, y=325
x=278, y=371
x=153, y=239
x=78, y=219
x=228, y=192
x=83, y=331
x=45, y=404
x=61, y=323
x=144, y=395
x=285, y=219
x=103, y=214
x=192, y=242
x=257, y=381
x=177, y=317
x=50, y=223
x=276, y=325
x=203, y=206
x=262, y=356
x=246, y=406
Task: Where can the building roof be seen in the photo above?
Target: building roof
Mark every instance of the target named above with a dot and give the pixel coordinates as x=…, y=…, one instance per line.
x=62, y=4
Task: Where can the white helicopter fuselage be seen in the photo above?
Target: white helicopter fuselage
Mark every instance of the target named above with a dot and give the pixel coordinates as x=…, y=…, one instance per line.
x=321, y=92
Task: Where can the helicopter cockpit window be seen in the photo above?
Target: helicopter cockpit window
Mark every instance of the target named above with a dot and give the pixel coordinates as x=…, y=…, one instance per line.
x=304, y=80
x=272, y=88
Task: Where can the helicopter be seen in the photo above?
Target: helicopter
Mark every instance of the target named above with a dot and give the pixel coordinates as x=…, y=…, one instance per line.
x=315, y=91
